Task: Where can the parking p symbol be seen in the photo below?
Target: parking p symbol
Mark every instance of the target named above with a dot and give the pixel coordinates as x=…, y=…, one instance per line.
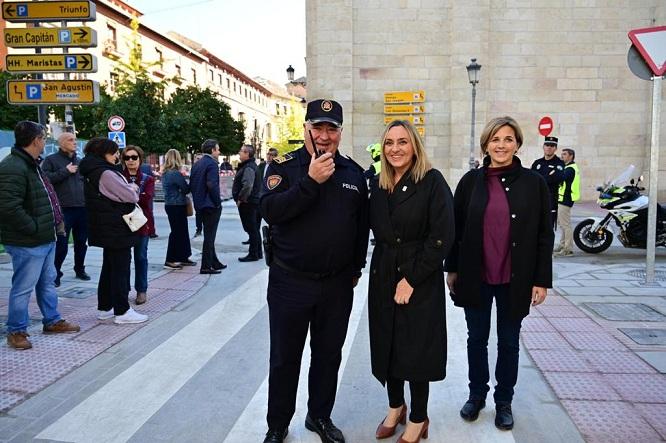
x=34, y=92
x=70, y=62
x=65, y=36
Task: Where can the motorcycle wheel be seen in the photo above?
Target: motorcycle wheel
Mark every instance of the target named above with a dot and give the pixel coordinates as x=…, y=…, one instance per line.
x=592, y=242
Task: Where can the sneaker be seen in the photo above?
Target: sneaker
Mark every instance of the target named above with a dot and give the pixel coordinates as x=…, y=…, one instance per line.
x=131, y=316
x=19, y=340
x=60, y=327
x=105, y=315
x=172, y=266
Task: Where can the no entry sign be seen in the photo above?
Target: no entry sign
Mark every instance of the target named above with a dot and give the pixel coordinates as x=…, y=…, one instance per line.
x=545, y=126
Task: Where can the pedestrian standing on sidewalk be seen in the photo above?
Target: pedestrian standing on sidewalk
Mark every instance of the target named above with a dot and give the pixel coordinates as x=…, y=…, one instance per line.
x=246, y=196
x=568, y=195
x=316, y=203
x=205, y=186
x=133, y=156
x=108, y=197
x=175, y=201
x=62, y=169
x=197, y=214
x=551, y=168
x=30, y=216
x=503, y=251
x=411, y=216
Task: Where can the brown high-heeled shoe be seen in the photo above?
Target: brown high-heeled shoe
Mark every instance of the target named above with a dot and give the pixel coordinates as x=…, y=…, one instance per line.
x=388, y=431
x=423, y=435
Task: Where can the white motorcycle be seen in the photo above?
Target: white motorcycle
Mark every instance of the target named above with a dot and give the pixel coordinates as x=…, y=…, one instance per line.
x=628, y=208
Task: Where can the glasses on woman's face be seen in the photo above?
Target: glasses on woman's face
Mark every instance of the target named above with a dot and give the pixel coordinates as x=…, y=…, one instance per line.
x=131, y=157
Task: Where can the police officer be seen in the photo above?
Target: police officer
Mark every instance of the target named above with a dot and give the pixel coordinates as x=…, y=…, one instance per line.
x=569, y=193
x=316, y=203
x=552, y=169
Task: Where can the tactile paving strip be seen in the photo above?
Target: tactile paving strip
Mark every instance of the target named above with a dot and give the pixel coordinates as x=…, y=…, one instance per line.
x=640, y=388
x=536, y=325
x=9, y=399
x=609, y=422
x=593, y=341
x=560, y=360
x=580, y=386
x=556, y=300
x=617, y=362
x=561, y=311
x=108, y=332
x=575, y=325
x=655, y=414
x=544, y=340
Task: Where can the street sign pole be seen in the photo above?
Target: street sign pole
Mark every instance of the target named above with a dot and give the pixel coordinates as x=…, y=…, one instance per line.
x=654, y=180
x=69, y=112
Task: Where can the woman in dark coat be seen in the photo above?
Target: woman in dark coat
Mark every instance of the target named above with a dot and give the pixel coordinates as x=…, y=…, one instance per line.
x=108, y=197
x=503, y=247
x=411, y=215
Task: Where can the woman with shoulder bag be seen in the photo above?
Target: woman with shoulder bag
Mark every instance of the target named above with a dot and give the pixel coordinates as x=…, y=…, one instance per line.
x=132, y=158
x=176, y=206
x=108, y=197
x=503, y=247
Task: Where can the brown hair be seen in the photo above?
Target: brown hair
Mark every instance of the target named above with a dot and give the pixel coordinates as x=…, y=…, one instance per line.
x=138, y=151
x=494, y=125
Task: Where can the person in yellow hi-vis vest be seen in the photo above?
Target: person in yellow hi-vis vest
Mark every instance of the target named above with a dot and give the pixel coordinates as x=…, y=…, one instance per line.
x=569, y=193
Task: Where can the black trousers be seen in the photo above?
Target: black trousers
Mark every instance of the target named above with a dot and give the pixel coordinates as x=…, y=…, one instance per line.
x=76, y=223
x=419, y=391
x=210, y=217
x=178, y=248
x=248, y=215
x=113, y=287
x=294, y=306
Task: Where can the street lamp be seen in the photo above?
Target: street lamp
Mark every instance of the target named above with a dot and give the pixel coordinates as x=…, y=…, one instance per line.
x=290, y=73
x=473, y=74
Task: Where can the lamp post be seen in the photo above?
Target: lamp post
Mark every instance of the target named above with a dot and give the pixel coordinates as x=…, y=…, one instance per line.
x=290, y=73
x=473, y=73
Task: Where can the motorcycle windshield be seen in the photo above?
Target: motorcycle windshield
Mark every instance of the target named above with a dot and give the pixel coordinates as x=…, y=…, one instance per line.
x=624, y=178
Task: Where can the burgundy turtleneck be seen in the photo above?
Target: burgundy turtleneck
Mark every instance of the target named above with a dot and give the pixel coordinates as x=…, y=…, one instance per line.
x=496, y=230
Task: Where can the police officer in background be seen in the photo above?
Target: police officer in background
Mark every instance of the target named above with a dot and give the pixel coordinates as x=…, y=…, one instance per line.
x=552, y=169
x=316, y=203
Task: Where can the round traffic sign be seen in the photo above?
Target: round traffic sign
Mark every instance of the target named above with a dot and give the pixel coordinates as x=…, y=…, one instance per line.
x=545, y=126
x=116, y=123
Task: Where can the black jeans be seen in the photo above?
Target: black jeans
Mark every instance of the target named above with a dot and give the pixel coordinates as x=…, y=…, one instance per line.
x=248, y=216
x=178, y=248
x=508, y=345
x=210, y=217
x=294, y=306
x=113, y=287
x=419, y=391
x=76, y=223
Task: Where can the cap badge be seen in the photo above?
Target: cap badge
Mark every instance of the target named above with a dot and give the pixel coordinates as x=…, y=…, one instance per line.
x=326, y=106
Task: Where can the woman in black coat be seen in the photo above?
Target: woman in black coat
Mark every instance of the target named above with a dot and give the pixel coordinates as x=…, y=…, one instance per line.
x=503, y=247
x=411, y=215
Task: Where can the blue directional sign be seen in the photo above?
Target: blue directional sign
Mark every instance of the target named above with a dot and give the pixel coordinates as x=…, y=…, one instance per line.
x=33, y=92
x=22, y=10
x=119, y=138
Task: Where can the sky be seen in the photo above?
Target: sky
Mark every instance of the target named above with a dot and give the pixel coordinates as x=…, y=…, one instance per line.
x=259, y=37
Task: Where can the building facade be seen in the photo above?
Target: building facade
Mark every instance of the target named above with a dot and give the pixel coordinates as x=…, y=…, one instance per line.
x=566, y=59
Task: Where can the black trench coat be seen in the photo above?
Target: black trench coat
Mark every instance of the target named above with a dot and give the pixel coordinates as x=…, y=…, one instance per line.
x=408, y=342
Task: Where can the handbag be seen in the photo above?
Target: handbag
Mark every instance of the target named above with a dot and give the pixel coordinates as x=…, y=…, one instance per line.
x=189, y=209
x=135, y=219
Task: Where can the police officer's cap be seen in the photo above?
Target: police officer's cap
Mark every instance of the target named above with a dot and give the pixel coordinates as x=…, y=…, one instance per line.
x=552, y=141
x=323, y=110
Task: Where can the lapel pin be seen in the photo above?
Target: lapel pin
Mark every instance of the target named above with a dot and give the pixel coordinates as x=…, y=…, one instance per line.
x=404, y=188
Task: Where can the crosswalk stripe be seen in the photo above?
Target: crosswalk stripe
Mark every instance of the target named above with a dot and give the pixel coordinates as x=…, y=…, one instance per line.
x=117, y=410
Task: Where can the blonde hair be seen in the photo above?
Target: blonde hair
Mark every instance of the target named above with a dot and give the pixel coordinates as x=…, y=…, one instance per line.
x=494, y=125
x=420, y=163
x=172, y=160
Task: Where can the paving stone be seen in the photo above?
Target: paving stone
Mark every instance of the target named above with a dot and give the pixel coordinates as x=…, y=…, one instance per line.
x=561, y=311
x=556, y=300
x=565, y=283
x=9, y=399
x=108, y=334
x=656, y=359
x=655, y=414
x=649, y=292
x=560, y=360
x=605, y=290
x=614, y=362
x=625, y=311
x=575, y=325
x=580, y=386
x=616, y=276
x=645, y=336
x=544, y=340
x=536, y=325
x=78, y=292
x=609, y=422
x=641, y=388
x=593, y=341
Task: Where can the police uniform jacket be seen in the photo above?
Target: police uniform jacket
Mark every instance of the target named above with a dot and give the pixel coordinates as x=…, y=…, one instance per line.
x=553, y=172
x=317, y=228
x=531, y=235
x=414, y=230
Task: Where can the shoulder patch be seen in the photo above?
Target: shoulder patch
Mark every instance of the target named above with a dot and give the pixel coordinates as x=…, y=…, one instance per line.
x=273, y=181
x=284, y=158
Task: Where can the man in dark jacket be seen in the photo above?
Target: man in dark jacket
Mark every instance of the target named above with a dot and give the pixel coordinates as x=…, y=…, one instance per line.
x=62, y=169
x=205, y=185
x=246, y=196
x=551, y=169
x=30, y=214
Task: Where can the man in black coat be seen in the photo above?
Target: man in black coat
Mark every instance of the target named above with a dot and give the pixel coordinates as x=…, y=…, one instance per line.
x=316, y=203
x=246, y=195
x=551, y=169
